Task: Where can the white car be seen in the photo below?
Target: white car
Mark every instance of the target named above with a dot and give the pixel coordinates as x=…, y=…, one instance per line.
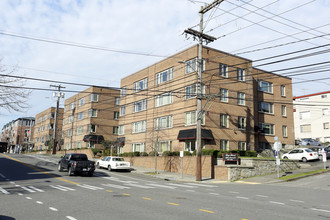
x=113, y=163
x=303, y=154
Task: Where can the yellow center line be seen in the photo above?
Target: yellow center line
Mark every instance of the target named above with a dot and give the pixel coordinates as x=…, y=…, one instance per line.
x=109, y=190
x=203, y=210
x=125, y=194
x=41, y=171
x=146, y=198
x=170, y=203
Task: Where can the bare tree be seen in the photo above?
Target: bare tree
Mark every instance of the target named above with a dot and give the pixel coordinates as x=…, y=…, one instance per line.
x=13, y=97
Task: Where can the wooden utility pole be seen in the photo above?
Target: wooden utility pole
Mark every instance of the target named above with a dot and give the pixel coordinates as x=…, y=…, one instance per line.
x=207, y=38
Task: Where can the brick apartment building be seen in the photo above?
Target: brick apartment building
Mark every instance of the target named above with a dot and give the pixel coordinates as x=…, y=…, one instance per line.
x=18, y=134
x=244, y=107
x=90, y=117
x=44, y=128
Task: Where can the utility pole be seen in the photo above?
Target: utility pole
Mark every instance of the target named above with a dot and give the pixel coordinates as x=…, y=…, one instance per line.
x=207, y=38
x=59, y=95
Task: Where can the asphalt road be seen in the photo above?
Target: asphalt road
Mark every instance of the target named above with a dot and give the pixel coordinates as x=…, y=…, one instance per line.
x=32, y=188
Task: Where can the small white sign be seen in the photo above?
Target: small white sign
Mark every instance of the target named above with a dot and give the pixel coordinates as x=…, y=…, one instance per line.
x=324, y=155
x=277, y=145
x=278, y=161
x=181, y=153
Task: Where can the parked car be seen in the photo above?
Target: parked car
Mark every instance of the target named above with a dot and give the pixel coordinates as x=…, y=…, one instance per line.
x=303, y=154
x=113, y=163
x=297, y=142
x=310, y=141
x=319, y=149
x=76, y=163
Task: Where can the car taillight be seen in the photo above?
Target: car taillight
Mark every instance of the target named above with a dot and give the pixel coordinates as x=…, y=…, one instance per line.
x=74, y=164
x=310, y=154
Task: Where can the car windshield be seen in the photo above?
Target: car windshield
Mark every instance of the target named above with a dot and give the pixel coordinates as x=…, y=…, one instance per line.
x=308, y=150
x=118, y=159
x=79, y=157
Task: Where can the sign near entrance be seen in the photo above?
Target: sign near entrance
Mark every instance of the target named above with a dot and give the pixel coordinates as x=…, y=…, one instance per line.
x=230, y=157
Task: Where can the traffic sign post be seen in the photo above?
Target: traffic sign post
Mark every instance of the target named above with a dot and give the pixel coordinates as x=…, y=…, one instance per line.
x=324, y=157
x=277, y=148
x=181, y=156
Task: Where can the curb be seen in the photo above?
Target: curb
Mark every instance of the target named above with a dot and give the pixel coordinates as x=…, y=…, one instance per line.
x=307, y=175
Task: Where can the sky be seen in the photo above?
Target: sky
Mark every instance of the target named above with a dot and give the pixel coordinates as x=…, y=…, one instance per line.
x=101, y=41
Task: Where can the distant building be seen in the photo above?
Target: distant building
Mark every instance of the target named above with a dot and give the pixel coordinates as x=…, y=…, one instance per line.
x=244, y=107
x=44, y=128
x=312, y=117
x=90, y=117
x=18, y=134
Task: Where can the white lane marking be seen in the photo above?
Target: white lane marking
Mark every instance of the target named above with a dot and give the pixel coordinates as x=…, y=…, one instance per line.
x=60, y=188
x=28, y=197
x=90, y=187
x=216, y=194
x=140, y=186
x=17, y=185
x=36, y=189
x=39, y=202
x=278, y=203
x=53, y=209
x=180, y=185
x=190, y=190
x=241, y=197
x=262, y=196
x=233, y=192
x=293, y=200
x=4, y=191
x=71, y=218
x=158, y=185
x=20, y=194
x=2, y=175
x=203, y=185
x=27, y=189
x=12, y=182
x=320, y=210
x=116, y=186
x=118, y=180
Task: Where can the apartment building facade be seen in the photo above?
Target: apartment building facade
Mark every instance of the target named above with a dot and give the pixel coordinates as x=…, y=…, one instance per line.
x=18, y=134
x=158, y=105
x=44, y=128
x=311, y=116
x=90, y=117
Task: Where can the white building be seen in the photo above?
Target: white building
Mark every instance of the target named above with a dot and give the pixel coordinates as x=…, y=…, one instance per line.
x=311, y=116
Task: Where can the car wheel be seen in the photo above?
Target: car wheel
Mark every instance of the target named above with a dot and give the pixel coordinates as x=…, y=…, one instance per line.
x=70, y=173
x=285, y=158
x=97, y=165
x=59, y=168
x=109, y=168
x=304, y=159
x=90, y=173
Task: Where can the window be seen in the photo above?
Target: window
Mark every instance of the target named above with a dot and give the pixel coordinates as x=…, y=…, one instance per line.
x=264, y=86
x=80, y=116
x=324, y=96
x=240, y=74
x=191, y=91
x=190, y=118
x=192, y=65
x=267, y=129
x=138, y=127
x=68, y=146
x=223, y=70
x=122, y=110
x=224, y=145
x=115, y=130
x=52, y=115
x=241, y=98
x=325, y=111
x=44, y=118
x=78, y=144
x=305, y=128
x=71, y=106
x=164, y=76
x=283, y=107
x=69, y=133
x=80, y=130
x=123, y=91
x=164, y=99
x=117, y=100
x=304, y=115
x=285, y=131
x=121, y=129
x=164, y=122
x=116, y=115
x=81, y=101
x=91, y=128
x=140, y=85
x=93, y=97
x=138, y=147
x=140, y=105
x=326, y=125
x=162, y=146
x=92, y=113
x=241, y=145
x=50, y=126
x=224, y=121
x=282, y=91
x=70, y=119
x=224, y=95
x=43, y=128
x=63, y=121
x=266, y=107
x=190, y=145
x=241, y=123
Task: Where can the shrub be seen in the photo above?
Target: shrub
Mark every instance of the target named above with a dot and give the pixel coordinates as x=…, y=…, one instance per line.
x=136, y=154
x=251, y=153
x=187, y=153
x=95, y=151
x=167, y=153
x=152, y=153
x=144, y=154
x=175, y=153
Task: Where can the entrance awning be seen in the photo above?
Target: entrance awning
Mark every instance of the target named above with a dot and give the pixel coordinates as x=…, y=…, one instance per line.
x=120, y=142
x=97, y=139
x=190, y=134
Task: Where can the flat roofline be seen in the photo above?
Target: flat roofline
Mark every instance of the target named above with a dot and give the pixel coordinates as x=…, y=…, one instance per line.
x=309, y=95
x=271, y=73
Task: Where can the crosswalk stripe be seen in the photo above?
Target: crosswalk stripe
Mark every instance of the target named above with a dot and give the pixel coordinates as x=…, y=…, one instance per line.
x=4, y=191
x=118, y=180
x=90, y=187
x=36, y=189
x=180, y=185
x=60, y=188
x=64, y=187
x=163, y=186
x=140, y=186
x=27, y=189
x=116, y=186
x=197, y=184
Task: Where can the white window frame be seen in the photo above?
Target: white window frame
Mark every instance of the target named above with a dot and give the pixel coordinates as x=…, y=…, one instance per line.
x=72, y=105
x=122, y=110
x=325, y=111
x=224, y=144
x=264, y=86
x=224, y=121
x=192, y=65
x=191, y=91
x=224, y=95
x=94, y=97
x=92, y=113
x=241, y=123
x=283, y=94
x=164, y=99
x=325, y=125
x=69, y=132
x=223, y=70
x=241, y=98
x=80, y=130
x=240, y=75
x=283, y=109
x=285, y=131
x=139, y=127
x=121, y=129
x=191, y=118
x=91, y=128
x=81, y=101
x=70, y=119
x=266, y=107
x=242, y=145
x=115, y=130
x=80, y=116
x=117, y=100
x=167, y=146
x=163, y=122
x=141, y=103
x=306, y=128
x=123, y=91
x=271, y=128
x=116, y=115
x=164, y=76
x=141, y=85
x=138, y=147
